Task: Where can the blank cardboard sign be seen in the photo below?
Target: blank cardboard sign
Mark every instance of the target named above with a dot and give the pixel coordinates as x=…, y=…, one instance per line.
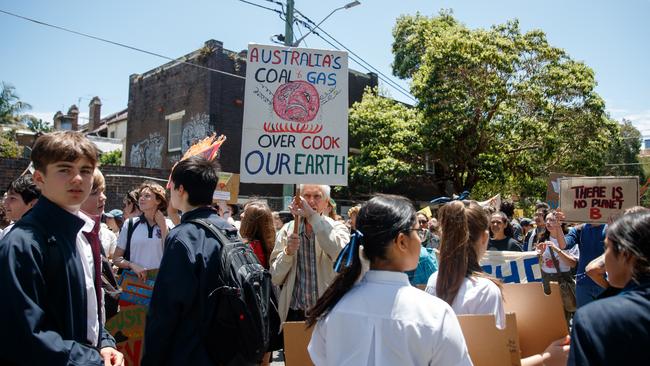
x=488, y=345
x=296, y=339
x=540, y=317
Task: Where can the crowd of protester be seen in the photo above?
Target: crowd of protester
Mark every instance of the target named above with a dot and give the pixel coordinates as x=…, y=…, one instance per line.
x=357, y=281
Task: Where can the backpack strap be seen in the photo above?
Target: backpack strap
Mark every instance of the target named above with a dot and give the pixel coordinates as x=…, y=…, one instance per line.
x=223, y=235
x=132, y=224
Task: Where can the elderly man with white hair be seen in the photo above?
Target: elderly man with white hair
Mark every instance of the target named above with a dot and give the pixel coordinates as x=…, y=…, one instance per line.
x=303, y=263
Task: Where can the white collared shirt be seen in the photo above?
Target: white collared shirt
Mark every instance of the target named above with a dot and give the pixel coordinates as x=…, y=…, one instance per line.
x=86, y=256
x=384, y=321
x=476, y=296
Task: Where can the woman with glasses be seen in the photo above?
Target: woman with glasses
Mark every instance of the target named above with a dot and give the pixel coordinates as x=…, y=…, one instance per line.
x=378, y=318
x=131, y=207
x=501, y=234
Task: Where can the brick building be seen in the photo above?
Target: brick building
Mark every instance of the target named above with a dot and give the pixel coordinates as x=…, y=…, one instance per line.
x=174, y=104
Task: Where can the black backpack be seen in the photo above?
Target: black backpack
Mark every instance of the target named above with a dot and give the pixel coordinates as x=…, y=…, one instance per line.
x=241, y=304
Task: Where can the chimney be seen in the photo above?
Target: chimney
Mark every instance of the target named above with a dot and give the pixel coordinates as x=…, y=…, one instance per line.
x=73, y=114
x=56, y=121
x=95, y=107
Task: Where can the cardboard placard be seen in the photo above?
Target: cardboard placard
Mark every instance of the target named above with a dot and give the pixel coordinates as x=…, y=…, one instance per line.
x=489, y=345
x=227, y=188
x=295, y=127
x=540, y=317
x=596, y=199
x=132, y=351
x=134, y=291
x=553, y=188
x=296, y=340
x=128, y=324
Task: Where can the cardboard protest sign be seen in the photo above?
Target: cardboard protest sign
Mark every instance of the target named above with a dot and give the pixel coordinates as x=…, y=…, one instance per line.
x=553, y=188
x=128, y=324
x=487, y=345
x=512, y=267
x=127, y=327
x=295, y=127
x=540, y=317
x=134, y=291
x=296, y=340
x=227, y=187
x=596, y=199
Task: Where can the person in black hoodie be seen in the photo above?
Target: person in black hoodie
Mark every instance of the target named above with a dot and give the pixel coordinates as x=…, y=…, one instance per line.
x=190, y=266
x=48, y=269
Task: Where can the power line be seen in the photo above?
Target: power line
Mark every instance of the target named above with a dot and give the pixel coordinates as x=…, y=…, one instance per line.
x=264, y=7
x=386, y=78
x=121, y=44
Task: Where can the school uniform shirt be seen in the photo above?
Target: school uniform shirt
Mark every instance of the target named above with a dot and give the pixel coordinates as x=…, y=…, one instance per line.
x=547, y=260
x=146, y=243
x=87, y=263
x=108, y=240
x=384, y=321
x=477, y=295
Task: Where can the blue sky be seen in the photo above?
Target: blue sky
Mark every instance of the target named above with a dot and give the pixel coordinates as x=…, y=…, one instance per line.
x=52, y=69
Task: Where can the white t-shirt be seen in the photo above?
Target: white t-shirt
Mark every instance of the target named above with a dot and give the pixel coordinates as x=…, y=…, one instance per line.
x=477, y=295
x=547, y=260
x=384, y=321
x=146, y=243
x=108, y=240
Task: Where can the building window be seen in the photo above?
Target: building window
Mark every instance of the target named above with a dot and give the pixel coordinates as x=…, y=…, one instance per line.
x=112, y=134
x=175, y=129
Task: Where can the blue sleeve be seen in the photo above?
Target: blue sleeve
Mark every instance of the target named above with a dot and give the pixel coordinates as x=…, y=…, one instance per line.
x=171, y=300
x=427, y=265
x=572, y=238
x=26, y=339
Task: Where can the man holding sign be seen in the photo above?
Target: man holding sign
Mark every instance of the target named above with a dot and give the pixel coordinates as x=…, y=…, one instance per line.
x=302, y=262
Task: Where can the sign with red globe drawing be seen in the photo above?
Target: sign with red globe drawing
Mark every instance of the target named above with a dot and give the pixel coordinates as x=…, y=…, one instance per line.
x=295, y=116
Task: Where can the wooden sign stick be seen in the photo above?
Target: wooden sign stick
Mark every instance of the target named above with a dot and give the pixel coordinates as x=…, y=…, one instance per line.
x=296, y=218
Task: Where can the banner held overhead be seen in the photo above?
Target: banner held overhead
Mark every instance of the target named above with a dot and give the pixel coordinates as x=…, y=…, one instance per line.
x=295, y=126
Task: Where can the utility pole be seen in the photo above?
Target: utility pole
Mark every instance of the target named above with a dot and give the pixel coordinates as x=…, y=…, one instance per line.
x=288, y=25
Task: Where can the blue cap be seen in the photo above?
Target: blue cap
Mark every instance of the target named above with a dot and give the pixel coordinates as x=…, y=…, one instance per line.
x=115, y=213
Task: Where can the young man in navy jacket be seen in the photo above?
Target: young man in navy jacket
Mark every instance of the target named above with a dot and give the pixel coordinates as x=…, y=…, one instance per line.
x=52, y=297
x=179, y=311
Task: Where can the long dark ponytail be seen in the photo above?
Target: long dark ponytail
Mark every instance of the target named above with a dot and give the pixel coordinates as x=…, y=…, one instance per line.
x=379, y=222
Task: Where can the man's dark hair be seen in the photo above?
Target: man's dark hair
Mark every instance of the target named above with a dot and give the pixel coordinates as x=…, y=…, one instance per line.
x=508, y=208
x=542, y=205
x=198, y=176
x=25, y=187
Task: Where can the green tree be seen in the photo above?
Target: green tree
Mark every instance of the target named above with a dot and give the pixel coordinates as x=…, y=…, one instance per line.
x=390, y=146
x=37, y=125
x=11, y=107
x=498, y=105
x=8, y=146
x=111, y=158
x=623, y=154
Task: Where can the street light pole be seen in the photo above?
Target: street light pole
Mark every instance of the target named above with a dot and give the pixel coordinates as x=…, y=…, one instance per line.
x=346, y=6
x=288, y=24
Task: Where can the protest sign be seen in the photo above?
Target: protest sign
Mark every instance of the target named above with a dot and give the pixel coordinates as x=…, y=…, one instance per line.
x=487, y=345
x=127, y=327
x=553, y=188
x=227, y=188
x=596, y=199
x=295, y=127
x=296, y=339
x=135, y=291
x=540, y=317
x=512, y=267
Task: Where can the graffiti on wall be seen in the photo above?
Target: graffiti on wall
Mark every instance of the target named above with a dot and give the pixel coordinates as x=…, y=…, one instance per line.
x=148, y=152
x=195, y=130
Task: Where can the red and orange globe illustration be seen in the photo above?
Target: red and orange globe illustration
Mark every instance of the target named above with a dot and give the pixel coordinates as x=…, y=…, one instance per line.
x=296, y=101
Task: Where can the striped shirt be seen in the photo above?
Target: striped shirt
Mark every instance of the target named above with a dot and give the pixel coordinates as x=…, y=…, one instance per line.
x=305, y=291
